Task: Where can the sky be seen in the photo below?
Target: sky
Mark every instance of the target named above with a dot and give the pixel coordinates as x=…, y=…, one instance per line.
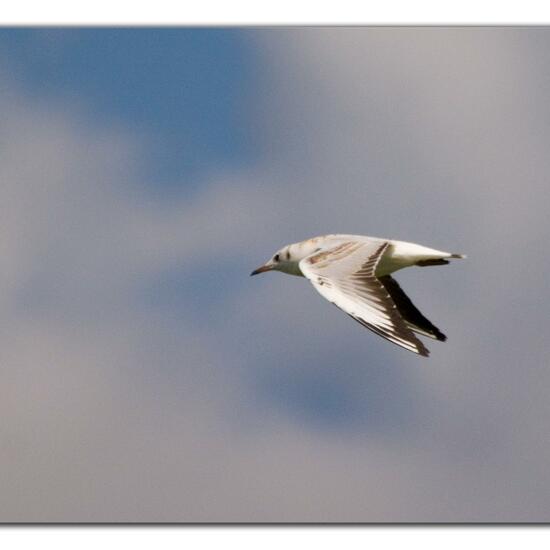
x=146, y=172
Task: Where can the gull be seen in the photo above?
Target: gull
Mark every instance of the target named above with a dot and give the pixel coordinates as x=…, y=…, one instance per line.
x=353, y=272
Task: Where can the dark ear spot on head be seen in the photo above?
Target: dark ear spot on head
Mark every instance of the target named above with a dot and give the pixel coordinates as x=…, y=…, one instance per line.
x=288, y=254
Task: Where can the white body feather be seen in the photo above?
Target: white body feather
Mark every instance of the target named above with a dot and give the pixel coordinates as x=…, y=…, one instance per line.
x=353, y=273
x=400, y=254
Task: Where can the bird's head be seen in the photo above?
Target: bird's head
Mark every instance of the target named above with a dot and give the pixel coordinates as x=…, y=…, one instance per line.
x=283, y=260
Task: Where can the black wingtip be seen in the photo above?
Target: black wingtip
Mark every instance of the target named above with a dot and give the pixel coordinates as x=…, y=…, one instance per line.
x=426, y=263
x=422, y=350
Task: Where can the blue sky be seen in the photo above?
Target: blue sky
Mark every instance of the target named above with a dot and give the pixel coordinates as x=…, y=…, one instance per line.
x=186, y=90
x=145, y=174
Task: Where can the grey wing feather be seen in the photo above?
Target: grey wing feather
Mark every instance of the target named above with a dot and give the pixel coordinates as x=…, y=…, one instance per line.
x=345, y=275
x=409, y=311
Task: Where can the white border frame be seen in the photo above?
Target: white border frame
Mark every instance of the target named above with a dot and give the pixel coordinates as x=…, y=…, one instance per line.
x=255, y=12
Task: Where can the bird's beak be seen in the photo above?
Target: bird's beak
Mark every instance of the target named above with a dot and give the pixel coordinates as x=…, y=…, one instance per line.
x=262, y=269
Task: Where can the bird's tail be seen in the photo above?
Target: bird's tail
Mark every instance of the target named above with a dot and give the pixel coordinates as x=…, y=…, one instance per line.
x=439, y=261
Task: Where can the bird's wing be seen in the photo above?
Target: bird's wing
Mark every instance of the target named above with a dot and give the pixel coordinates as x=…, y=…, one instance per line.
x=345, y=276
x=410, y=313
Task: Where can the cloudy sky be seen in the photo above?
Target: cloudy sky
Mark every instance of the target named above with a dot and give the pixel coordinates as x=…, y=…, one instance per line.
x=145, y=377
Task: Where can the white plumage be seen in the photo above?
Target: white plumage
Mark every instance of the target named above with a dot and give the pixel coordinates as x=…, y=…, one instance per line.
x=353, y=273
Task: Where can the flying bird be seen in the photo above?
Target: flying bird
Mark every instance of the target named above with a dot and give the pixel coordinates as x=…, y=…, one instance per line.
x=353, y=272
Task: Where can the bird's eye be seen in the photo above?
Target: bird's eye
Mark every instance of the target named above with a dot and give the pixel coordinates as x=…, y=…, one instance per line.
x=276, y=257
